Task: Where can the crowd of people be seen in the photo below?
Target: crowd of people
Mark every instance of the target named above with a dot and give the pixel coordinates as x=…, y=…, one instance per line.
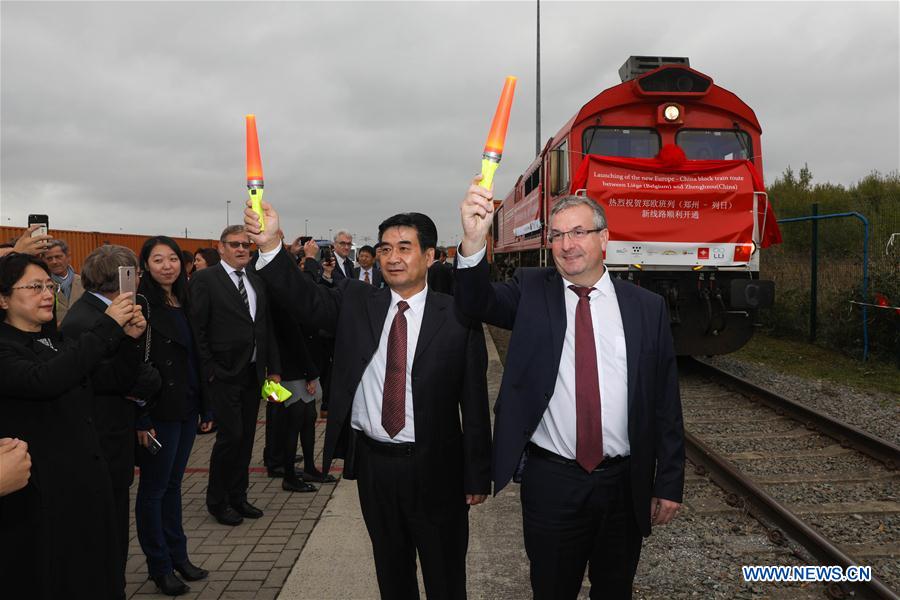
x=95, y=380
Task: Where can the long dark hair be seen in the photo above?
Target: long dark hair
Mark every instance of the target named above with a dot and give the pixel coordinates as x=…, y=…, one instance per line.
x=150, y=287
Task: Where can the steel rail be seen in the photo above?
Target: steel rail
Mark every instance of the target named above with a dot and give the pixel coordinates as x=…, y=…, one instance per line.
x=730, y=478
x=880, y=449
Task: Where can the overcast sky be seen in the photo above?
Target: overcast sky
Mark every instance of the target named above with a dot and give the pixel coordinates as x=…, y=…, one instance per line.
x=130, y=116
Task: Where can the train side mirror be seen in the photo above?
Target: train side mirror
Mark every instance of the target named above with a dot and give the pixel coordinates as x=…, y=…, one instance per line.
x=752, y=294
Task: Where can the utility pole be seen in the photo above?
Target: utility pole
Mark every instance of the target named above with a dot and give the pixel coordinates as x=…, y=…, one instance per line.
x=227, y=213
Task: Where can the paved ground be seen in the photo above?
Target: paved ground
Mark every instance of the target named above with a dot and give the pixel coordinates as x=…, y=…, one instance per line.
x=337, y=561
x=259, y=559
x=251, y=560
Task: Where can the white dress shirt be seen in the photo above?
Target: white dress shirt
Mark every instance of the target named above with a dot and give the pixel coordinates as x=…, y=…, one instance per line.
x=370, y=271
x=251, y=294
x=366, y=413
x=367, y=400
x=557, y=429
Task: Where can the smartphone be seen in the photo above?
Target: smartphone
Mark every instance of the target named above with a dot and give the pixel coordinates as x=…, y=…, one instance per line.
x=154, y=445
x=327, y=254
x=304, y=239
x=127, y=280
x=41, y=220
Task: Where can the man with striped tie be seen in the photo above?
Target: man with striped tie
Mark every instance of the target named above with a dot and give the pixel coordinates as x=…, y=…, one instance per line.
x=408, y=410
x=237, y=347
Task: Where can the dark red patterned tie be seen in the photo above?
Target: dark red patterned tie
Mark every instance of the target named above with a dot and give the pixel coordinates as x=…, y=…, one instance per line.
x=393, y=403
x=589, y=428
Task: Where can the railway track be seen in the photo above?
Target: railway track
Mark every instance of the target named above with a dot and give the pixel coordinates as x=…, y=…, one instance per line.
x=826, y=485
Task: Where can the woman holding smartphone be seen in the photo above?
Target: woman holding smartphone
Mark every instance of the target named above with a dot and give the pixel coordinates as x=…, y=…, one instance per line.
x=168, y=435
x=58, y=532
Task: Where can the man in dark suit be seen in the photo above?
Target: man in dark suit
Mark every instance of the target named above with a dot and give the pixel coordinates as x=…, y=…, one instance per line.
x=589, y=400
x=366, y=272
x=343, y=244
x=440, y=274
x=112, y=380
x=229, y=303
x=408, y=410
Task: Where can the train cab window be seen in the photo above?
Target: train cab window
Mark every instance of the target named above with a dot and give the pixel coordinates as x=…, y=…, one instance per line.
x=714, y=144
x=613, y=141
x=532, y=181
x=559, y=169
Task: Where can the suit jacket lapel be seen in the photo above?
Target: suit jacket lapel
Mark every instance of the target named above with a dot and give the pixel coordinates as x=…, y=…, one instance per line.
x=432, y=319
x=259, y=288
x=631, y=325
x=556, y=308
x=379, y=303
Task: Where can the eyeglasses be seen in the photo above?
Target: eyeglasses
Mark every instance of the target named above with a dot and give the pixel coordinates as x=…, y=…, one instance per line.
x=576, y=235
x=38, y=288
x=236, y=245
x=344, y=243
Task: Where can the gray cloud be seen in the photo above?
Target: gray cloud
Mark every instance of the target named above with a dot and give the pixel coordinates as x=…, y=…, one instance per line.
x=130, y=115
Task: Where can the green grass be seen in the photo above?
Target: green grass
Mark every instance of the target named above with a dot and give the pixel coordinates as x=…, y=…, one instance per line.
x=811, y=361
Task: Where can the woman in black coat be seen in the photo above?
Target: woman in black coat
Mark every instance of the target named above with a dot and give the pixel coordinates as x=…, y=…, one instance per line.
x=57, y=533
x=173, y=416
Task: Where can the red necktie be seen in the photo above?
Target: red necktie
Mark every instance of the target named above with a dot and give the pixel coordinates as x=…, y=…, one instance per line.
x=589, y=428
x=367, y=277
x=393, y=403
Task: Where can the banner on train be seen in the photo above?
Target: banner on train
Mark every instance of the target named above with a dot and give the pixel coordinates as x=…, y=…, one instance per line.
x=703, y=217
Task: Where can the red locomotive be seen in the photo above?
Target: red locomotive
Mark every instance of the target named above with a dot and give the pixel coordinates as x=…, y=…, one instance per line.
x=676, y=161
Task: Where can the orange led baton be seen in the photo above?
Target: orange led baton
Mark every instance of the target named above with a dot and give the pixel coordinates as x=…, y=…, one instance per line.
x=493, y=148
x=254, y=171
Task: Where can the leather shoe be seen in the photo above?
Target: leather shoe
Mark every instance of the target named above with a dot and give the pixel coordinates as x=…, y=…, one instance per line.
x=170, y=585
x=275, y=471
x=317, y=476
x=246, y=509
x=190, y=571
x=226, y=515
x=297, y=485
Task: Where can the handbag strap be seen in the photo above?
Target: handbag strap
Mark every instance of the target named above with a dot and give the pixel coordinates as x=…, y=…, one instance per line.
x=147, y=339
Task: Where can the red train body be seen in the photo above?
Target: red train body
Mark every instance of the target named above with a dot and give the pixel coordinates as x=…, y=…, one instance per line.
x=676, y=161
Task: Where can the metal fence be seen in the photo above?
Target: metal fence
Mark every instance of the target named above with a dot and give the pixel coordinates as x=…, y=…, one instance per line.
x=834, y=250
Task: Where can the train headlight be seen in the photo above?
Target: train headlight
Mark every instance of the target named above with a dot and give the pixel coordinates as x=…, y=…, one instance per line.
x=672, y=113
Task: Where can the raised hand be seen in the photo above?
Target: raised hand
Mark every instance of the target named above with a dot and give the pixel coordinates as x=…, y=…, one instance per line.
x=477, y=213
x=266, y=240
x=311, y=248
x=137, y=325
x=32, y=245
x=122, y=309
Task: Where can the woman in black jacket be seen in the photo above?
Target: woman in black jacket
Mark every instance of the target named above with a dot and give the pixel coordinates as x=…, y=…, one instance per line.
x=174, y=413
x=58, y=533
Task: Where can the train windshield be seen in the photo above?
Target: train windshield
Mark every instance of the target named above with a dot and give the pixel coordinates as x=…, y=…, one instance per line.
x=714, y=144
x=629, y=143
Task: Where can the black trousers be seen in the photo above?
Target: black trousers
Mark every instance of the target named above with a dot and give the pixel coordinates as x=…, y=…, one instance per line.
x=572, y=519
x=300, y=424
x=399, y=527
x=236, y=406
x=272, y=453
x=121, y=507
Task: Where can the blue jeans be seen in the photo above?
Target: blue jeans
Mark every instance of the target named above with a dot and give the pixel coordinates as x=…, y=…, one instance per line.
x=158, y=506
